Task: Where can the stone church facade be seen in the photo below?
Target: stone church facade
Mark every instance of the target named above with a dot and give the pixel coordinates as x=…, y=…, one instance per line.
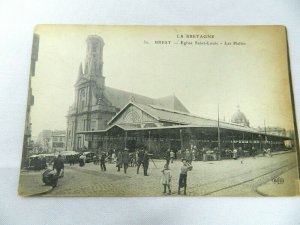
x=96, y=104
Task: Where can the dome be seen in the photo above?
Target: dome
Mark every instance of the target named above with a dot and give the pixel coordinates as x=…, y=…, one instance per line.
x=239, y=118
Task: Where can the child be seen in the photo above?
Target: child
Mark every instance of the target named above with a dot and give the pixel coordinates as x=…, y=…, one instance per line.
x=183, y=176
x=166, y=178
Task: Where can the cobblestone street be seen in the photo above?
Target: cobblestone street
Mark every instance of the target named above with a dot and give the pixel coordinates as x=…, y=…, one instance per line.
x=224, y=178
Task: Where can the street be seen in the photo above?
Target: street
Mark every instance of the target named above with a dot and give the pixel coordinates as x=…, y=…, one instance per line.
x=216, y=178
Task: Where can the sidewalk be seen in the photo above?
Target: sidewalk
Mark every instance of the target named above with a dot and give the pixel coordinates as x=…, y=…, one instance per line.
x=283, y=185
x=31, y=184
x=275, y=153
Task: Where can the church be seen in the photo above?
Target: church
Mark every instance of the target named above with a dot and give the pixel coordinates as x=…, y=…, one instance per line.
x=95, y=103
x=103, y=118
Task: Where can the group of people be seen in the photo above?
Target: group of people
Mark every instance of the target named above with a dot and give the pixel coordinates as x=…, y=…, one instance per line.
x=142, y=158
x=167, y=177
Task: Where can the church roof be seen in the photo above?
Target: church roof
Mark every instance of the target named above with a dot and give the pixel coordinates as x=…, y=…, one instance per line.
x=120, y=98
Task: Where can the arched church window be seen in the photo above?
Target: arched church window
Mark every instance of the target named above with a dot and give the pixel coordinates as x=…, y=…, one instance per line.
x=94, y=48
x=82, y=94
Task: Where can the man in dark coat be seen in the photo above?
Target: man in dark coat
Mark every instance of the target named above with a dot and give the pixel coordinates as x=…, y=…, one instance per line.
x=146, y=163
x=119, y=160
x=102, y=161
x=140, y=159
x=58, y=165
x=125, y=159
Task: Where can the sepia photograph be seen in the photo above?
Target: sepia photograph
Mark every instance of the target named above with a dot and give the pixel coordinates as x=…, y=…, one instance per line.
x=159, y=111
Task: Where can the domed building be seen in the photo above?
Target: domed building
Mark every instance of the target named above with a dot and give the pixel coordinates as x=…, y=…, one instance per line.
x=239, y=118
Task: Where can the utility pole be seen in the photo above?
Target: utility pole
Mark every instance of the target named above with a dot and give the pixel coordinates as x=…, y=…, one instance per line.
x=125, y=139
x=265, y=133
x=181, y=141
x=219, y=137
x=149, y=140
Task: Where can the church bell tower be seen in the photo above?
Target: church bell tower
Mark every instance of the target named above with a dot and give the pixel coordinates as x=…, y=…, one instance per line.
x=94, y=60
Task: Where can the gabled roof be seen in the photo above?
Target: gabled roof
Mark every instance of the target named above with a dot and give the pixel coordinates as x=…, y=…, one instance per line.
x=180, y=119
x=167, y=115
x=120, y=98
x=176, y=117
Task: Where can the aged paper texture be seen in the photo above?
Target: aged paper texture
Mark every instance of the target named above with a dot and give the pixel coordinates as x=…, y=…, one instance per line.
x=159, y=111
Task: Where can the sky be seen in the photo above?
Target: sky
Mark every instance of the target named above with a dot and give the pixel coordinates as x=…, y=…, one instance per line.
x=253, y=76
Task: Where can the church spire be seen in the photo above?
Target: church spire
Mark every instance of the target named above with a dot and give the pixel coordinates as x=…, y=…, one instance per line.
x=94, y=56
x=80, y=71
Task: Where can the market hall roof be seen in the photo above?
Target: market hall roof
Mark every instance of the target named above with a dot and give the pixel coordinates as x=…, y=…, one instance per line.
x=179, y=120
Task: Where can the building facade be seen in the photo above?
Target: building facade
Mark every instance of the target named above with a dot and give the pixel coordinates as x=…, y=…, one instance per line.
x=95, y=103
x=58, y=141
x=27, y=142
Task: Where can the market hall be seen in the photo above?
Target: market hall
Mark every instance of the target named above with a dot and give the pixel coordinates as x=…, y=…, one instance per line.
x=159, y=129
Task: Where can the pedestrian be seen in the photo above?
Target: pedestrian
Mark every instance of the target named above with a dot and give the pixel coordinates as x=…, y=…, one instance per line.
x=82, y=160
x=113, y=157
x=119, y=160
x=58, y=165
x=43, y=163
x=95, y=160
x=179, y=154
x=188, y=156
x=71, y=160
x=102, y=161
x=146, y=163
x=194, y=151
x=140, y=159
x=183, y=176
x=166, y=178
x=241, y=154
x=172, y=156
x=253, y=151
x=125, y=159
x=234, y=154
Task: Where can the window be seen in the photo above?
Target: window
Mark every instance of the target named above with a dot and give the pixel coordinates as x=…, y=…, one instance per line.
x=79, y=142
x=93, y=125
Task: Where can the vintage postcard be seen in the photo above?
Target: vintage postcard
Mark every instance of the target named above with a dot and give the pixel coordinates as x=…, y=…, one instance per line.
x=159, y=111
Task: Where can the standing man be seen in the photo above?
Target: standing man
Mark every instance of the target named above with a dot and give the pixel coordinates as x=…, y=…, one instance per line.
x=189, y=156
x=58, y=165
x=253, y=151
x=102, y=161
x=119, y=160
x=172, y=156
x=183, y=176
x=140, y=158
x=125, y=159
x=146, y=163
